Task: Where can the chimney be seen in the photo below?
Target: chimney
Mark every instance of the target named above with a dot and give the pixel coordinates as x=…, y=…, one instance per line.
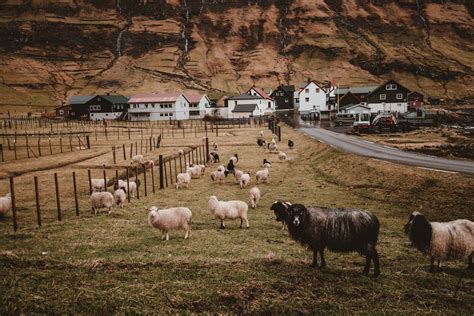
x=309, y=80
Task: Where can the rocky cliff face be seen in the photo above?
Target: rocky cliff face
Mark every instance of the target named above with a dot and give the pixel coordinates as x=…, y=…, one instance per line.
x=53, y=49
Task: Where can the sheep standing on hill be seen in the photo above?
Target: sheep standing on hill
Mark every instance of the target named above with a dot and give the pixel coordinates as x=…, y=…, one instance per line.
x=213, y=157
x=203, y=169
x=215, y=146
x=148, y=164
x=102, y=200
x=218, y=176
x=195, y=171
x=339, y=230
x=282, y=156
x=291, y=144
x=120, y=197
x=169, y=219
x=255, y=196
x=221, y=168
x=266, y=163
x=183, y=179
x=261, y=143
x=134, y=185
x=280, y=208
x=442, y=241
x=261, y=134
x=136, y=159
x=273, y=148
x=99, y=184
x=5, y=204
x=228, y=209
x=262, y=175
x=244, y=180
x=234, y=159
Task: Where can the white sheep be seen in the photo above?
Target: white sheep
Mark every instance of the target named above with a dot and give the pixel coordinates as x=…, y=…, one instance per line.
x=244, y=180
x=215, y=146
x=136, y=159
x=262, y=175
x=5, y=203
x=133, y=186
x=267, y=165
x=255, y=196
x=148, y=164
x=98, y=184
x=183, y=179
x=282, y=156
x=442, y=241
x=102, y=200
x=228, y=209
x=235, y=159
x=203, y=169
x=180, y=152
x=273, y=148
x=169, y=219
x=261, y=134
x=195, y=171
x=120, y=197
x=218, y=176
x=221, y=168
x=237, y=174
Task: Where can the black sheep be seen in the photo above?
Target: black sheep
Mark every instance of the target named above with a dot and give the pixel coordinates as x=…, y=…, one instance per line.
x=230, y=166
x=339, y=230
x=280, y=209
x=213, y=157
x=291, y=144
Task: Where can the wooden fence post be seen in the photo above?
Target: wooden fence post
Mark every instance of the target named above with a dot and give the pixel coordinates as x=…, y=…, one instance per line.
x=128, y=185
x=114, y=155
x=124, y=153
x=1, y=152
x=136, y=181
x=88, y=142
x=12, y=192
x=105, y=180
x=171, y=173
x=165, y=172
x=152, y=179
x=38, y=211
x=61, y=143
x=58, y=202
x=14, y=148
x=76, y=202
x=160, y=162
x=90, y=181
x=207, y=149
x=144, y=180
x=131, y=150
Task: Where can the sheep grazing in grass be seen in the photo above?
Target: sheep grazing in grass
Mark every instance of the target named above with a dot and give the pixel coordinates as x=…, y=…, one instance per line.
x=280, y=208
x=442, y=241
x=169, y=219
x=266, y=163
x=234, y=159
x=5, y=204
x=194, y=170
x=203, y=169
x=120, y=197
x=215, y=146
x=282, y=156
x=339, y=230
x=148, y=164
x=183, y=179
x=102, y=200
x=229, y=209
x=230, y=166
x=213, y=157
x=99, y=184
x=261, y=142
x=219, y=176
x=237, y=174
x=255, y=196
x=261, y=134
x=291, y=144
x=262, y=175
x=273, y=148
x=221, y=168
x=136, y=159
x=134, y=185
x=244, y=180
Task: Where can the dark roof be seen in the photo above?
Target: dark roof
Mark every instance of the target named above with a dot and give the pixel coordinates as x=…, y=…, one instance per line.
x=356, y=90
x=244, y=108
x=245, y=96
x=288, y=88
x=384, y=84
x=115, y=99
x=80, y=99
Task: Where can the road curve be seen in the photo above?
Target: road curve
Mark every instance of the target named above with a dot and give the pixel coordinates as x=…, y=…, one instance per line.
x=366, y=148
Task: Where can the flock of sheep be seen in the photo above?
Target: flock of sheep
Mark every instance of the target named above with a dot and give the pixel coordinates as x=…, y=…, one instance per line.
x=317, y=228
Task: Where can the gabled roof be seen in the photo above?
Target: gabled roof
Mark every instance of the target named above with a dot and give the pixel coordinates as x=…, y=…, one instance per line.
x=351, y=106
x=245, y=96
x=349, y=94
x=80, y=99
x=262, y=93
x=416, y=92
x=196, y=98
x=288, y=90
x=308, y=83
x=385, y=83
x=155, y=97
x=244, y=108
x=114, y=99
x=356, y=90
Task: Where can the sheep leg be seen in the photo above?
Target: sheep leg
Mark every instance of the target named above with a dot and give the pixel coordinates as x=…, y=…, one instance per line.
x=315, y=259
x=368, y=260
x=163, y=236
x=167, y=236
x=432, y=260
x=323, y=262
x=375, y=258
x=241, y=222
x=110, y=209
x=222, y=224
x=247, y=222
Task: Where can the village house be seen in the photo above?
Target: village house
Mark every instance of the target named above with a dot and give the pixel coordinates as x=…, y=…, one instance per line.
x=269, y=106
x=354, y=108
x=62, y=111
x=388, y=97
x=284, y=97
x=312, y=99
x=359, y=92
x=249, y=104
x=78, y=104
x=158, y=107
x=107, y=107
x=198, y=105
x=415, y=100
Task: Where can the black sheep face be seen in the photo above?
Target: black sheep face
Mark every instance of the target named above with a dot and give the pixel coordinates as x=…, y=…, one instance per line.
x=298, y=215
x=419, y=231
x=281, y=211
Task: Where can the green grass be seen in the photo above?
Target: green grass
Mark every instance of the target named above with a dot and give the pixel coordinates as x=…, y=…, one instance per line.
x=118, y=264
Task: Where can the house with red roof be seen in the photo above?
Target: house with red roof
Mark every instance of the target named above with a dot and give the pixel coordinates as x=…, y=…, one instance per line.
x=197, y=105
x=269, y=103
x=158, y=107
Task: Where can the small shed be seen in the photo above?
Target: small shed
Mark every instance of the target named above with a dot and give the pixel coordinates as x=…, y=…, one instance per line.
x=63, y=110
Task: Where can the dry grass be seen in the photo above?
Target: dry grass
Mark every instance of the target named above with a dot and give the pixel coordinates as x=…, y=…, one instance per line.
x=117, y=264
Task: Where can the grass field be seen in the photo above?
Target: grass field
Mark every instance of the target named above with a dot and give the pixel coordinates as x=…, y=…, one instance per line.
x=118, y=264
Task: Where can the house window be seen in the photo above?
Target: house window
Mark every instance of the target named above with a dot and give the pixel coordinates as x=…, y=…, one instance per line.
x=306, y=90
x=399, y=96
x=383, y=97
x=391, y=86
x=61, y=112
x=153, y=105
x=306, y=99
x=269, y=105
x=286, y=100
x=317, y=90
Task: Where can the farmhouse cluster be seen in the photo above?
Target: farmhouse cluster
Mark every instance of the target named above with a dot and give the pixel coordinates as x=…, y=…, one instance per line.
x=311, y=98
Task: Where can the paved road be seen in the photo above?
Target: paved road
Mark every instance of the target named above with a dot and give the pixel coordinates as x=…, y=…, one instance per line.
x=366, y=148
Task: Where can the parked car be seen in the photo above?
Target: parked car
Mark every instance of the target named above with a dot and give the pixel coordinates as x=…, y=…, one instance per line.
x=344, y=119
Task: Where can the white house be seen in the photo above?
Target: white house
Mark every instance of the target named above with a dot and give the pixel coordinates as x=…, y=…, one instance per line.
x=354, y=108
x=388, y=97
x=198, y=105
x=247, y=105
x=312, y=98
x=269, y=107
x=158, y=107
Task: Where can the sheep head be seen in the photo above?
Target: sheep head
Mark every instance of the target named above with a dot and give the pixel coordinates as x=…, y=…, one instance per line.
x=280, y=209
x=298, y=215
x=419, y=231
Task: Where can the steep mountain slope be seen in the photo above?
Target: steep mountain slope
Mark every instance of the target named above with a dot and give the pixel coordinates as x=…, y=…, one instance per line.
x=53, y=49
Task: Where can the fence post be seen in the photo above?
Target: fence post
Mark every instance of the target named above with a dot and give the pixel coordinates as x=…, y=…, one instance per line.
x=131, y=150
x=12, y=192
x=14, y=148
x=136, y=181
x=144, y=180
x=58, y=202
x=160, y=162
x=105, y=180
x=175, y=169
x=88, y=142
x=76, y=202
x=114, y=155
x=166, y=172
x=124, y=153
x=38, y=211
x=279, y=133
x=207, y=149
x=128, y=185
x=50, y=147
x=152, y=179
x=61, y=143
x=90, y=181
x=171, y=173
x=217, y=130
x=1, y=151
